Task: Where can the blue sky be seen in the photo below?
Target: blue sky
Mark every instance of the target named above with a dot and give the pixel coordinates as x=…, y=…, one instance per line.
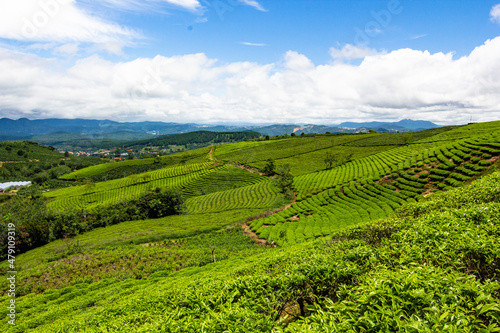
x=311, y=27
x=262, y=61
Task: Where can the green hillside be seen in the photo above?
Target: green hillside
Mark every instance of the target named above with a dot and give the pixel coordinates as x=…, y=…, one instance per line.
x=399, y=233
x=196, y=137
x=26, y=160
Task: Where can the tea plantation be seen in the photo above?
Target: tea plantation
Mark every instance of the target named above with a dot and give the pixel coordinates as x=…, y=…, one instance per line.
x=399, y=234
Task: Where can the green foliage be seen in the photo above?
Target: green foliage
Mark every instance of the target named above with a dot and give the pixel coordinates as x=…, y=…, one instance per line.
x=294, y=151
x=93, y=195
x=134, y=249
x=197, y=137
x=398, y=139
x=432, y=268
x=36, y=226
x=359, y=249
x=285, y=180
x=227, y=178
x=270, y=167
x=37, y=163
x=330, y=160
x=120, y=169
x=261, y=195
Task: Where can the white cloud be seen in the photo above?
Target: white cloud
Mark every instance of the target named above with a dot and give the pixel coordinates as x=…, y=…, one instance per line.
x=194, y=88
x=42, y=46
x=350, y=51
x=252, y=44
x=57, y=21
x=419, y=36
x=67, y=49
x=495, y=13
x=253, y=3
x=296, y=61
x=135, y=5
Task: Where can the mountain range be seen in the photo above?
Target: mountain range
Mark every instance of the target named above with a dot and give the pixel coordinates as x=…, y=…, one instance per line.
x=47, y=130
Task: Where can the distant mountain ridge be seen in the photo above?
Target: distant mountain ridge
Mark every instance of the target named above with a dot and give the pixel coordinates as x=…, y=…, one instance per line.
x=414, y=125
x=25, y=129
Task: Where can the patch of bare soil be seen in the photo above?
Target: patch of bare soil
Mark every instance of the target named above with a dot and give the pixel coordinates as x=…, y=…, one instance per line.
x=247, y=168
x=384, y=180
x=428, y=192
x=268, y=213
x=211, y=154
x=494, y=159
x=249, y=233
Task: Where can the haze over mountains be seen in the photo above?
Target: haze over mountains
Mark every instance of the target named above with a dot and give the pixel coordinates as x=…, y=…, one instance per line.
x=25, y=129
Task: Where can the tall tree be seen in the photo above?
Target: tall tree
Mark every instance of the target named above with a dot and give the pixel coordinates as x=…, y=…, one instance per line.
x=330, y=160
x=270, y=167
x=285, y=180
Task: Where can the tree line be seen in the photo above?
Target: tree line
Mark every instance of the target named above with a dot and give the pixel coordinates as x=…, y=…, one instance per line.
x=37, y=226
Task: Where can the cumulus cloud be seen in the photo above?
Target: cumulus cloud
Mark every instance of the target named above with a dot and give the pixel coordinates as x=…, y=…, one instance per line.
x=57, y=21
x=495, y=14
x=195, y=88
x=349, y=52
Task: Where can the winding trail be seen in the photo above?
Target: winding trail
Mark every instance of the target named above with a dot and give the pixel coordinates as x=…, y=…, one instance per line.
x=211, y=154
x=247, y=231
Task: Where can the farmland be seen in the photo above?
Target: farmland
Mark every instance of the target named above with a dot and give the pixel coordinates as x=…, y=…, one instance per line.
x=400, y=233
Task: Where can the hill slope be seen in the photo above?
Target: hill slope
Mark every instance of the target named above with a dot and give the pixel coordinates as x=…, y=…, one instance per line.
x=417, y=270
x=381, y=241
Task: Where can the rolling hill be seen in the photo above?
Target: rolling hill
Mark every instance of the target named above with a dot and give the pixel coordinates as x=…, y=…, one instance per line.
x=379, y=232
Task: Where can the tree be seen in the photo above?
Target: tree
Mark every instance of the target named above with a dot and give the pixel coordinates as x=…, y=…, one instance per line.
x=285, y=180
x=330, y=160
x=270, y=167
x=161, y=203
x=293, y=134
x=130, y=155
x=407, y=138
x=117, y=152
x=347, y=158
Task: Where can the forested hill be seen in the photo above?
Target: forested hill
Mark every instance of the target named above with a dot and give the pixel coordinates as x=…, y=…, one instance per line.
x=198, y=137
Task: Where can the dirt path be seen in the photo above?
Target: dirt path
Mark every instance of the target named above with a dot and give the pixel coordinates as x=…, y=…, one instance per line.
x=211, y=154
x=249, y=233
x=247, y=168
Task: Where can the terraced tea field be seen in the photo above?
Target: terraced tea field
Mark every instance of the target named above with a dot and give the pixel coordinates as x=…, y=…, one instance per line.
x=111, y=192
x=390, y=224
x=358, y=191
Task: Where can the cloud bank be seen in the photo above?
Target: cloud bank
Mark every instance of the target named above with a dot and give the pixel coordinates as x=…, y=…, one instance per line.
x=58, y=21
x=194, y=88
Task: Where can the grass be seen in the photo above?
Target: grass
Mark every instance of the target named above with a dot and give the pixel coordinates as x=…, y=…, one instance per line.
x=130, y=249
